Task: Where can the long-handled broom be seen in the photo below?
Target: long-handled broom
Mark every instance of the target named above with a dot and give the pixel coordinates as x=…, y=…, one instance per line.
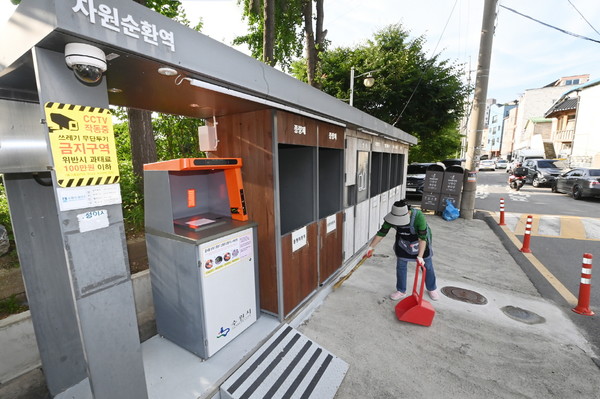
x=341, y=281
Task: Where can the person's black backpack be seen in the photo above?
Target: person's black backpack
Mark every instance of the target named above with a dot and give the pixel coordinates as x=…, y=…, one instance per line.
x=520, y=171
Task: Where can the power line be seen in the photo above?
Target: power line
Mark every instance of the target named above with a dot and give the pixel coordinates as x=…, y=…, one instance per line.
x=582, y=16
x=433, y=58
x=551, y=26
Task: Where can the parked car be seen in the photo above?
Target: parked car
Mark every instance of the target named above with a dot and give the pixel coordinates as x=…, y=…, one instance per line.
x=543, y=171
x=579, y=182
x=415, y=178
x=453, y=162
x=487, y=164
x=501, y=163
x=521, y=160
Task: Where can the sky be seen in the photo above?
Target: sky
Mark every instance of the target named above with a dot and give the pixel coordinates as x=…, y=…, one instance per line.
x=525, y=55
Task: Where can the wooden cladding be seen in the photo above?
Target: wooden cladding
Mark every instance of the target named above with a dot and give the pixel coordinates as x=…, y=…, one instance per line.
x=296, y=129
x=250, y=136
x=300, y=274
x=301, y=130
x=330, y=250
x=331, y=136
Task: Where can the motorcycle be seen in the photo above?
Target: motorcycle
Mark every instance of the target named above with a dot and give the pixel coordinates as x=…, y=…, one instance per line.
x=516, y=182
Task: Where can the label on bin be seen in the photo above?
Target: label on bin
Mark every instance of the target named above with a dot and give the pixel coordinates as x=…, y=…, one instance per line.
x=218, y=254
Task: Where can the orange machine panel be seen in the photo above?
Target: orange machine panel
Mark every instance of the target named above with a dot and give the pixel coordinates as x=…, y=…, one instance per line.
x=232, y=167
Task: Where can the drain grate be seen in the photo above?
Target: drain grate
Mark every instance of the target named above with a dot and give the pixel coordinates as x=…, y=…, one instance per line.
x=464, y=295
x=522, y=315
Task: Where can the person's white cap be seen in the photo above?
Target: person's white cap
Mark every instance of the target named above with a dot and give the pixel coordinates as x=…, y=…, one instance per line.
x=399, y=215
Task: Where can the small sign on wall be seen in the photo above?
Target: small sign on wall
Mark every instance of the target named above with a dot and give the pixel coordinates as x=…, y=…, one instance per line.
x=299, y=239
x=331, y=223
x=93, y=220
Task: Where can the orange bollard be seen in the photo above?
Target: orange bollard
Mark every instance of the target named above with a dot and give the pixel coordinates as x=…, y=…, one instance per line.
x=527, y=236
x=583, y=304
x=502, y=213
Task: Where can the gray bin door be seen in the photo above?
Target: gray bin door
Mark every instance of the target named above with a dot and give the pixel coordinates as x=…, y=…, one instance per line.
x=362, y=176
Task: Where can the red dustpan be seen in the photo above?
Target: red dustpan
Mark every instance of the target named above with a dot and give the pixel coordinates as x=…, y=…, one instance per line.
x=415, y=309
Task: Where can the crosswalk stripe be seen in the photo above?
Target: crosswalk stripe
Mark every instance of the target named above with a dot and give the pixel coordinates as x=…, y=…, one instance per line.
x=592, y=228
x=520, y=230
x=549, y=226
x=572, y=228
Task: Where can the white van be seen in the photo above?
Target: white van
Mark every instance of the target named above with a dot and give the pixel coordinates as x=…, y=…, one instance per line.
x=521, y=156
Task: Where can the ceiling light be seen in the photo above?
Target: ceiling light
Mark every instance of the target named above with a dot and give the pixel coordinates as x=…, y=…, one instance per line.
x=167, y=71
x=115, y=90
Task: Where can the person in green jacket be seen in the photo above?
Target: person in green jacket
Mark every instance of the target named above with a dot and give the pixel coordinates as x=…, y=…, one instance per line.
x=413, y=243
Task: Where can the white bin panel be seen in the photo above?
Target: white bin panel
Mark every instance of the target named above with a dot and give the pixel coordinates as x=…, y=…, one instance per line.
x=374, y=221
x=348, y=233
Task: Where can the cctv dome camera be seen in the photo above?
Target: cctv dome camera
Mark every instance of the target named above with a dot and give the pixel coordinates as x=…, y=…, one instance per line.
x=88, y=62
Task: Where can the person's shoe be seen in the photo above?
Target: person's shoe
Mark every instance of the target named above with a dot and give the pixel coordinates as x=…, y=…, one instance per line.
x=434, y=295
x=397, y=295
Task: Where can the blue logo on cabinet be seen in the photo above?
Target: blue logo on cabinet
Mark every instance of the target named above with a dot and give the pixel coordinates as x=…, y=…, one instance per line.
x=223, y=332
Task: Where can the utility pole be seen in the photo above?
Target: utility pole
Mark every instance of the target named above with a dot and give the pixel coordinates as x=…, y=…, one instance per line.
x=476, y=124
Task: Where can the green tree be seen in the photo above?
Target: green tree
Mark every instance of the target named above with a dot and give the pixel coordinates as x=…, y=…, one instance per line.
x=421, y=95
x=280, y=39
x=143, y=146
x=277, y=29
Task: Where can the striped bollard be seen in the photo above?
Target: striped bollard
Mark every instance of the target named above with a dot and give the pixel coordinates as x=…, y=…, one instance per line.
x=583, y=304
x=527, y=236
x=502, y=223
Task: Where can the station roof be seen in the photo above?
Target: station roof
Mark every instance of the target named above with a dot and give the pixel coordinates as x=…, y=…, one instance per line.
x=212, y=79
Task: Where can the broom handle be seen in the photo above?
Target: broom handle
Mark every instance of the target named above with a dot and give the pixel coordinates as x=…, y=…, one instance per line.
x=341, y=281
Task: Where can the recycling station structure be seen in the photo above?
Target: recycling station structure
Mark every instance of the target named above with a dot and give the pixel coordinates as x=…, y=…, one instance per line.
x=318, y=175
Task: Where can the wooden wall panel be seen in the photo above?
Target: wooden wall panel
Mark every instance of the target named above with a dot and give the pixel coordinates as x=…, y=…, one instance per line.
x=330, y=254
x=296, y=129
x=331, y=136
x=250, y=136
x=299, y=269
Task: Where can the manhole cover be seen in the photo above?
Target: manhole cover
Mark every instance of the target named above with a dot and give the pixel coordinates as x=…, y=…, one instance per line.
x=523, y=315
x=462, y=294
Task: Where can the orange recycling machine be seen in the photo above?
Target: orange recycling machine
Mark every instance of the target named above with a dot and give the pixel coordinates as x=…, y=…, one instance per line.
x=202, y=252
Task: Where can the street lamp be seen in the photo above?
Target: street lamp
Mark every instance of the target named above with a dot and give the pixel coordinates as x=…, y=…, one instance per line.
x=369, y=81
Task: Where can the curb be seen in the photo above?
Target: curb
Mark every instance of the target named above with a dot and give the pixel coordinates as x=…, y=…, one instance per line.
x=543, y=287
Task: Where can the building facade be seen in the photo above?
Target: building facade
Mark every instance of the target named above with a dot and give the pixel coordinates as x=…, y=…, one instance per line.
x=497, y=116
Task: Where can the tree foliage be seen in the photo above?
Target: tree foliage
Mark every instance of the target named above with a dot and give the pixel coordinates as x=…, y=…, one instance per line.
x=278, y=28
x=287, y=30
x=421, y=95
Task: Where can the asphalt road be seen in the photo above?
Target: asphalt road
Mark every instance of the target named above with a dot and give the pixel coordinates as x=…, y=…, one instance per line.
x=563, y=230
x=491, y=186
x=554, y=243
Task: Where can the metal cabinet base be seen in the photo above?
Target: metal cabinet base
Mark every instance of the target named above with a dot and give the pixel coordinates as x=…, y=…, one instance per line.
x=204, y=290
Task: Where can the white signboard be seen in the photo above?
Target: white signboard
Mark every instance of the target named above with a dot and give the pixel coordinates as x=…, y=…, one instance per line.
x=298, y=239
x=88, y=196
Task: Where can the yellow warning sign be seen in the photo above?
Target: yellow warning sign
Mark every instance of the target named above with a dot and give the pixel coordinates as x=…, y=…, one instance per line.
x=83, y=145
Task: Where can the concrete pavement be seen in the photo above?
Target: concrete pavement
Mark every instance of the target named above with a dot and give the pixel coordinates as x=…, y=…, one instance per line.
x=470, y=350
